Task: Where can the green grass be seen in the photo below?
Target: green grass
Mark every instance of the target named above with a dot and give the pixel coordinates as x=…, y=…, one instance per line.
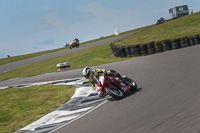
x=11, y=59
x=185, y=26
x=22, y=106
x=97, y=55
x=4, y=61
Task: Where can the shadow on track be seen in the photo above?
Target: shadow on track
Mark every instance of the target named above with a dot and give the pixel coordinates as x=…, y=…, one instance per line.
x=128, y=94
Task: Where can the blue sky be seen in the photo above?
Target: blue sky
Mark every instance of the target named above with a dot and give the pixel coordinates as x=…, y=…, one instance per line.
x=28, y=26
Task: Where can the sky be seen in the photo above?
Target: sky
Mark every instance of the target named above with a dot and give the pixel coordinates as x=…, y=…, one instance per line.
x=28, y=26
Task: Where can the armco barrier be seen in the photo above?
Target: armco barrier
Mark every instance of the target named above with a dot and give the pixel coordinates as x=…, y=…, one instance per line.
x=62, y=66
x=154, y=47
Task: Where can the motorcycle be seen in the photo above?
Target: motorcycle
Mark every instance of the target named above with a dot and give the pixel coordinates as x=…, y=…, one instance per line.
x=114, y=86
x=74, y=43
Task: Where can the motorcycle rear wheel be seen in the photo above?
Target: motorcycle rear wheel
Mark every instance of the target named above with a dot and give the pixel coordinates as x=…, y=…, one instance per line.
x=115, y=92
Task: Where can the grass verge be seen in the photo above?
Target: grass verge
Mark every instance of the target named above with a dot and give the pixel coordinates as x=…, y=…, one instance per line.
x=185, y=26
x=4, y=61
x=22, y=106
x=97, y=55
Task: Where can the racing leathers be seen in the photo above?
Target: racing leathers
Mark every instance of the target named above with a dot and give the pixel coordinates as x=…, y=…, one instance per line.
x=97, y=72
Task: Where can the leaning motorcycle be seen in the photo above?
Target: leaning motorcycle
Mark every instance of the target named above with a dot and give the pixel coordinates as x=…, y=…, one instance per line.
x=74, y=44
x=114, y=86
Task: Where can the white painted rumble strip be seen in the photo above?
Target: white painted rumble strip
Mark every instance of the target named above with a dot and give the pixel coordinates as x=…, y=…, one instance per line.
x=79, y=116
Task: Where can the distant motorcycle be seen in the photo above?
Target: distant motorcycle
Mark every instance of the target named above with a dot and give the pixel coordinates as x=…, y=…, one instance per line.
x=114, y=86
x=160, y=21
x=74, y=43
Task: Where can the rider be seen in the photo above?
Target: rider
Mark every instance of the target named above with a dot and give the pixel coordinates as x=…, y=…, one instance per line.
x=89, y=74
x=75, y=41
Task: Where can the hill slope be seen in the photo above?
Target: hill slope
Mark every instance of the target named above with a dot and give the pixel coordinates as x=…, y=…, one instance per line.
x=185, y=26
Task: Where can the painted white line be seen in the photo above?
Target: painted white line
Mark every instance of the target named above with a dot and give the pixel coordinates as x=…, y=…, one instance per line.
x=79, y=116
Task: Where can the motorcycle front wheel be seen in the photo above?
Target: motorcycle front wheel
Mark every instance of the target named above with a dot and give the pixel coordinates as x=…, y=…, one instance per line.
x=133, y=85
x=115, y=92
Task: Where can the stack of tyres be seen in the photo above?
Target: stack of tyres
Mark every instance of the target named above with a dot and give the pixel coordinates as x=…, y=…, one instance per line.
x=128, y=51
x=154, y=47
x=192, y=43
x=176, y=44
x=151, y=48
x=184, y=42
x=187, y=41
x=167, y=45
x=123, y=51
x=143, y=48
x=132, y=50
x=158, y=47
x=135, y=50
x=196, y=39
x=115, y=50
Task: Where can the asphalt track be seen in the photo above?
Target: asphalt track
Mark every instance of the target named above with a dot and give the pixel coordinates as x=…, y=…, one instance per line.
x=17, y=64
x=168, y=102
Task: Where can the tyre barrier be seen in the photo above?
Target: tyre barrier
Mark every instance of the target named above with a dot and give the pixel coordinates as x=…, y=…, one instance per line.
x=128, y=51
x=197, y=39
x=143, y=48
x=184, y=42
x=154, y=47
x=159, y=47
x=136, y=50
x=176, y=44
x=63, y=66
x=191, y=39
x=167, y=46
x=151, y=48
x=123, y=51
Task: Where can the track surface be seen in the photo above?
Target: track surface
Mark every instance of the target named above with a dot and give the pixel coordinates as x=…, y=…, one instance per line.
x=14, y=65
x=169, y=100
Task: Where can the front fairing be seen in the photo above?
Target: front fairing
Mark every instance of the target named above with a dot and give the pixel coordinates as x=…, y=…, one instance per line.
x=116, y=81
x=99, y=82
x=102, y=82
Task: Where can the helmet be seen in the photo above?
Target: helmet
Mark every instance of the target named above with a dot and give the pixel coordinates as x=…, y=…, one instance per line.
x=87, y=72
